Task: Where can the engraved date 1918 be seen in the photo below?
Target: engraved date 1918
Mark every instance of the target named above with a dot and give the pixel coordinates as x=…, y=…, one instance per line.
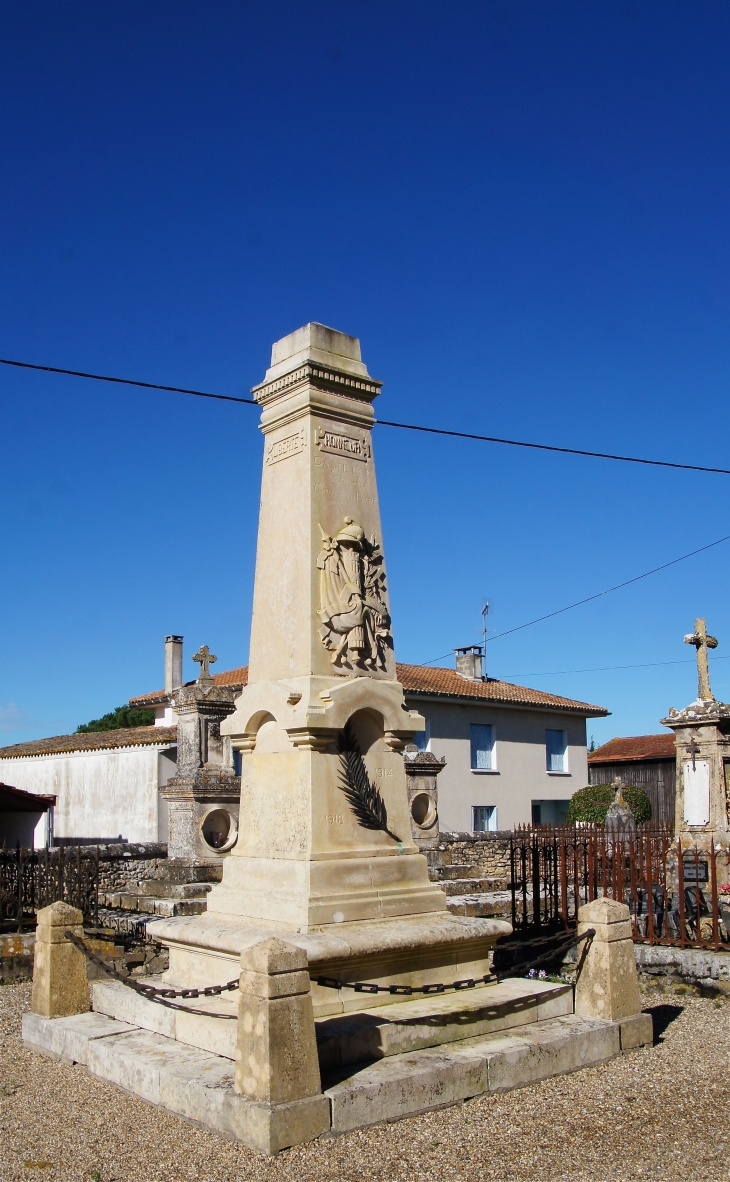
x=335, y=818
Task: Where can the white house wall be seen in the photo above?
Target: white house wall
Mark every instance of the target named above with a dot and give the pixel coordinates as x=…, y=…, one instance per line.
x=521, y=774
x=100, y=794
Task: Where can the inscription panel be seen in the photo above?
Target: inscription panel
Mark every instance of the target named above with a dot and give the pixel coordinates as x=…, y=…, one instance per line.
x=355, y=447
x=290, y=445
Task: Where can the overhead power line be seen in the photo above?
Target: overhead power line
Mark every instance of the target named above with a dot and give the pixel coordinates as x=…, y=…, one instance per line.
x=571, y=451
x=599, y=595
x=99, y=377
x=610, y=668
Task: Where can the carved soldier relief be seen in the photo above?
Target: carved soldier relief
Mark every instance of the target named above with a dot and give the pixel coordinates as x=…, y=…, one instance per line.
x=354, y=614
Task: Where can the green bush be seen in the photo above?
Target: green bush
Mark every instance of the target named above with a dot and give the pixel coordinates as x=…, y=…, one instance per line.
x=591, y=803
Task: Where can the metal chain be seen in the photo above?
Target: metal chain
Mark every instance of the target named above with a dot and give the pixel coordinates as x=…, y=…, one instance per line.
x=468, y=982
x=165, y=996
x=152, y=992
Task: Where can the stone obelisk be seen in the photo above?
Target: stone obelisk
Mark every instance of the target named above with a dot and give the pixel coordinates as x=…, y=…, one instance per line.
x=325, y=856
x=309, y=853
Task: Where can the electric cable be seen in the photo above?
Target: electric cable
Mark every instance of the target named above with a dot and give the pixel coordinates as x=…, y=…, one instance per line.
x=571, y=451
x=590, y=598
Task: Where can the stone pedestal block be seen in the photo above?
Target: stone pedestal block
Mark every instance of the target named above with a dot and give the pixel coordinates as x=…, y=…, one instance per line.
x=60, y=983
x=608, y=985
x=276, y=1051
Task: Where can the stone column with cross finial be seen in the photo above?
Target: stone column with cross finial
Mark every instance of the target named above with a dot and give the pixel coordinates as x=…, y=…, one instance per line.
x=702, y=738
x=203, y=797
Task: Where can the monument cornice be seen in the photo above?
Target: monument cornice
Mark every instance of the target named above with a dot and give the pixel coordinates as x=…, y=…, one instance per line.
x=322, y=377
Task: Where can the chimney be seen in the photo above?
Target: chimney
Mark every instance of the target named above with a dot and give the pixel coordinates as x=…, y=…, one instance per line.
x=469, y=661
x=173, y=663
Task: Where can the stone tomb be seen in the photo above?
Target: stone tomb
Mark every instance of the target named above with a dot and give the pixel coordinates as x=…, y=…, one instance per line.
x=326, y=875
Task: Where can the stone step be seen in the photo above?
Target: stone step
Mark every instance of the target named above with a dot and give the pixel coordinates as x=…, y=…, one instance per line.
x=154, y=906
x=457, y=870
x=467, y=886
x=487, y=904
x=156, y=888
x=353, y=1037
x=198, y=1085
x=434, y=1020
x=401, y=1086
x=187, y=1082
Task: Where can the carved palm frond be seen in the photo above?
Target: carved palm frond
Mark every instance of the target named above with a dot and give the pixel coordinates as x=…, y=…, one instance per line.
x=363, y=796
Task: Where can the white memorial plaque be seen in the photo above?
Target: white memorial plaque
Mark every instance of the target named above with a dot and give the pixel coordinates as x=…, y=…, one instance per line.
x=697, y=793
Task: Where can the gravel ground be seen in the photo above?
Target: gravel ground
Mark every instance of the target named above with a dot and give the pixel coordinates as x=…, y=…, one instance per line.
x=659, y=1113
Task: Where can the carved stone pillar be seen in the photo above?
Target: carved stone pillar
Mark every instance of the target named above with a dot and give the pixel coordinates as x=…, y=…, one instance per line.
x=422, y=768
x=203, y=798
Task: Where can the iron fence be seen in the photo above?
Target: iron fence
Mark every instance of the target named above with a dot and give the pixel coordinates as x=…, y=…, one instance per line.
x=31, y=879
x=671, y=890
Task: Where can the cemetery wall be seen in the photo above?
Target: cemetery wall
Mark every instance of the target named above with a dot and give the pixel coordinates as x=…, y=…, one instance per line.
x=121, y=866
x=488, y=851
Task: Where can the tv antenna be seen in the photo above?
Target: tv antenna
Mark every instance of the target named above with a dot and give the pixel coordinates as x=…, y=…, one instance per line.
x=484, y=614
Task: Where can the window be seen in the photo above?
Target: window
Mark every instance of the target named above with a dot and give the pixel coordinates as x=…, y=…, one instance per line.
x=550, y=812
x=484, y=818
x=555, y=751
x=482, y=748
x=423, y=738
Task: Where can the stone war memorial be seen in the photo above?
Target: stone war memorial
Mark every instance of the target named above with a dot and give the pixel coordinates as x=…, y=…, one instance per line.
x=327, y=987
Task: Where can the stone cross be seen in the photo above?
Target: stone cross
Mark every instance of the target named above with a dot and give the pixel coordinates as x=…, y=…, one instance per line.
x=693, y=748
x=702, y=642
x=204, y=658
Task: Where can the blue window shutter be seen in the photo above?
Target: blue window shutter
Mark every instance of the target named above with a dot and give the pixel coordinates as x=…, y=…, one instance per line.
x=482, y=741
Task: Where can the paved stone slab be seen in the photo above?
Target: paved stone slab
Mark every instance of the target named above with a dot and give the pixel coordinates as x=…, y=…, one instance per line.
x=217, y=1035
x=435, y=1020
x=406, y=1084
x=637, y=1031
x=199, y=1086
x=69, y=1037
x=549, y=1048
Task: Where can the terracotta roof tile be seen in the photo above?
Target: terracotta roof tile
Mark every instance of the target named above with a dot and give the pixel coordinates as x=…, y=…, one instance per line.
x=229, y=677
x=420, y=679
x=137, y=736
x=635, y=747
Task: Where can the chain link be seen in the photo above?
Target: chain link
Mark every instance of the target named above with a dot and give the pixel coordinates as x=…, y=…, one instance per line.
x=165, y=996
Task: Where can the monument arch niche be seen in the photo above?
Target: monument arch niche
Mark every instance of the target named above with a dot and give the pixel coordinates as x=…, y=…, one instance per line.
x=325, y=854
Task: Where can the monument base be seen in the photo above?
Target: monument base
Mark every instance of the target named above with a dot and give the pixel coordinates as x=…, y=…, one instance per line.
x=408, y=950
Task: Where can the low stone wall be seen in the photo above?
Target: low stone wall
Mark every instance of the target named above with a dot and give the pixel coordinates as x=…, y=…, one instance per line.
x=694, y=966
x=488, y=851
x=121, y=866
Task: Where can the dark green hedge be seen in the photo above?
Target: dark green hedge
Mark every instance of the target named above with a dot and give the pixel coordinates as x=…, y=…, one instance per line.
x=120, y=719
x=591, y=803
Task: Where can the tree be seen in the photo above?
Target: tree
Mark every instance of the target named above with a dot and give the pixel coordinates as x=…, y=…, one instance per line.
x=122, y=718
x=591, y=803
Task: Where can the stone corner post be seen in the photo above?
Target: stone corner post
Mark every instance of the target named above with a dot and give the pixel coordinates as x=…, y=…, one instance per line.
x=60, y=982
x=608, y=985
x=276, y=1052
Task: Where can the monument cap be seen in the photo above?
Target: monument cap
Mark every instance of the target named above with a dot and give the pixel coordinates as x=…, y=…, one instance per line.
x=316, y=342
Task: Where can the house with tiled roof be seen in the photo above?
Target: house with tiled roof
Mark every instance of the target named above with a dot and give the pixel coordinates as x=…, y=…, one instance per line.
x=513, y=755
x=647, y=761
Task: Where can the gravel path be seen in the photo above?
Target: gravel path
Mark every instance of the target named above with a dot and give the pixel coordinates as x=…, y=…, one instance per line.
x=660, y=1113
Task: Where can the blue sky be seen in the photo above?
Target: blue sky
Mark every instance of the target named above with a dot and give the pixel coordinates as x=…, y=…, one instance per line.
x=522, y=211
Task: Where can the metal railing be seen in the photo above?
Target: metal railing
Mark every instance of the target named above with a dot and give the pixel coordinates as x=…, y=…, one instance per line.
x=31, y=879
x=671, y=890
